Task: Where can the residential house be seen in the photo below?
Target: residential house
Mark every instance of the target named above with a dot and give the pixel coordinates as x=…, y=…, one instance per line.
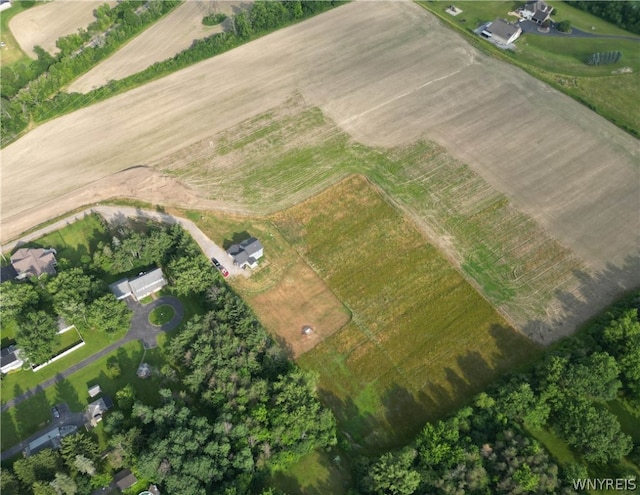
x=28, y=262
x=536, y=11
x=96, y=409
x=247, y=253
x=124, y=479
x=10, y=359
x=139, y=287
x=7, y=273
x=502, y=32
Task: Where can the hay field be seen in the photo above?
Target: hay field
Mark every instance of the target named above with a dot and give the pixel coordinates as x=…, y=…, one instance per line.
x=44, y=24
x=166, y=38
x=421, y=339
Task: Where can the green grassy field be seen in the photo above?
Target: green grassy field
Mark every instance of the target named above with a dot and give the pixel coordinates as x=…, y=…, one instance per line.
x=285, y=156
x=11, y=52
x=76, y=241
x=421, y=340
x=561, y=61
x=27, y=417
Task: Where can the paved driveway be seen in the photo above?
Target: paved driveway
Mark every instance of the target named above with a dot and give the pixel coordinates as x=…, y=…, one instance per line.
x=142, y=329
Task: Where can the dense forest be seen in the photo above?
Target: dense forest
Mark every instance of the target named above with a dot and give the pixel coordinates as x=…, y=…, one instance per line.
x=624, y=14
x=488, y=447
x=34, y=89
x=231, y=408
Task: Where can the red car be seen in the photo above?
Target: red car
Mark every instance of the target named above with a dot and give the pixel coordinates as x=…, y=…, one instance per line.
x=224, y=271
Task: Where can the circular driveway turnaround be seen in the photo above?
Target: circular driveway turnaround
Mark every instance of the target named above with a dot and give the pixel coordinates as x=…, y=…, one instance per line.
x=145, y=331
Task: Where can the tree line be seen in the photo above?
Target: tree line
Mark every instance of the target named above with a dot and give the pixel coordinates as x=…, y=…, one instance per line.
x=28, y=84
x=624, y=14
x=487, y=447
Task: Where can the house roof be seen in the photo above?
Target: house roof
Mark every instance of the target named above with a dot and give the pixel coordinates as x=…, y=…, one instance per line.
x=95, y=390
x=540, y=16
x=537, y=5
x=251, y=246
x=125, y=479
x=7, y=273
x=121, y=288
x=34, y=262
x=503, y=29
x=8, y=355
x=146, y=284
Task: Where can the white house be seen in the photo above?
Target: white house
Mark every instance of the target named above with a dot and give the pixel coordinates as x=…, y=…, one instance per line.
x=139, y=287
x=502, y=32
x=10, y=359
x=536, y=11
x=247, y=253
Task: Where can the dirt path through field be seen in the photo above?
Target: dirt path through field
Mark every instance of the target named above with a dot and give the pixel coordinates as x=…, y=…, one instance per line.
x=44, y=24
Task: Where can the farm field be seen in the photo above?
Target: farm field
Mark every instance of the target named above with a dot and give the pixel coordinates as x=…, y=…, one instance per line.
x=169, y=36
x=565, y=176
x=44, y=24
x=421, y=339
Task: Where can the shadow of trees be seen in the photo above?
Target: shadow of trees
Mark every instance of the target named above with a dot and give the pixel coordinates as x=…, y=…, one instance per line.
x=236, y=238
x=594, y=293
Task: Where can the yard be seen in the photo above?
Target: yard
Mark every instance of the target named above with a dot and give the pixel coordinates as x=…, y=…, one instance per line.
x=421, y=340
x=27, y=417
x=561, y=60
x=11, y=52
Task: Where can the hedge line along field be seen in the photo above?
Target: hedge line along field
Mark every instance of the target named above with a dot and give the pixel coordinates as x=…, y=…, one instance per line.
x=169, y=36
x=44, y=24
x=421, y=339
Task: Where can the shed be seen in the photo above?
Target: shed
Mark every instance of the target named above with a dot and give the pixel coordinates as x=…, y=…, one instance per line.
x=124, y=479
x=95, y=390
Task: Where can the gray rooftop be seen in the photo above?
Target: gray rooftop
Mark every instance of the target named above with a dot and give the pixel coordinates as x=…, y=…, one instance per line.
x=8, y=355
x=121, y=288
x=251, y=246
x=148, y=283
x=503, y=29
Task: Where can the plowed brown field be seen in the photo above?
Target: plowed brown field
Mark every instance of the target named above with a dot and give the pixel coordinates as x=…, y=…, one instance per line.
x=44, y=24
x=169, y=36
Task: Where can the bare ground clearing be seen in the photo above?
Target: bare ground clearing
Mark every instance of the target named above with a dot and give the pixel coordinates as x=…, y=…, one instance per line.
x=300, y=299
x=44, y=24
x=166, y=38
x=389, y=74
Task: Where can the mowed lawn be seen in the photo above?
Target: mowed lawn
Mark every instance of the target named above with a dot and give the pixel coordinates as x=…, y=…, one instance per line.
x=421, y=340
x=27, y=417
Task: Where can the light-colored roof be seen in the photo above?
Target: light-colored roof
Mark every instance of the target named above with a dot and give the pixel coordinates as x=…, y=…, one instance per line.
x=148, y=283
x=34, y=262
x=43, y=439
x=121, y=288
x=503, y=29
x=95, y=390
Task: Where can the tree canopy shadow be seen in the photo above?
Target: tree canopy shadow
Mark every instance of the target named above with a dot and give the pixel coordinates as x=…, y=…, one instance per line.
x=236, y=238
